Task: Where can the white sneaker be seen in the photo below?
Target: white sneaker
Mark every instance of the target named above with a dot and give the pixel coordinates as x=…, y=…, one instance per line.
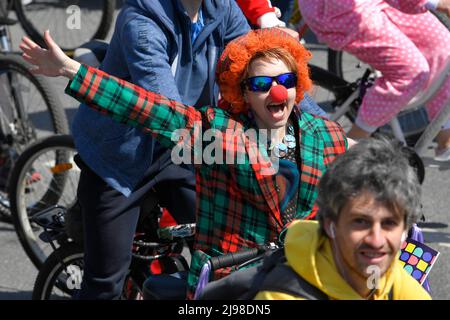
x=26, y=2
x=442, y=154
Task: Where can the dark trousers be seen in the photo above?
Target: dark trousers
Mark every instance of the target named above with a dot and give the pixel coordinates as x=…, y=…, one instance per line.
x=286, y=7
x=110, y=219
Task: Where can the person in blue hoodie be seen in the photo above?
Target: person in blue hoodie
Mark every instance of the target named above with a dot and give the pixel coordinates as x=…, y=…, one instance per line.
x=166, y=46
x=169, y=47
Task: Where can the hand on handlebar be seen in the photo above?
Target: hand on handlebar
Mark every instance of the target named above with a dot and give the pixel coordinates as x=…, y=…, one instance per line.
x=51, y=62
x=444, y=6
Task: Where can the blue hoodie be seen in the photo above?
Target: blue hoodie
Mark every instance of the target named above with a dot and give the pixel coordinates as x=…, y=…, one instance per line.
x=152, y=48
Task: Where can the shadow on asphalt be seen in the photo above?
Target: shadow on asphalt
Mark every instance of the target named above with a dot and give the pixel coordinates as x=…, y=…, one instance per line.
x=431, y=163
x=432, y=225
x=17, y=295
x=436, y=237
x=6, y=226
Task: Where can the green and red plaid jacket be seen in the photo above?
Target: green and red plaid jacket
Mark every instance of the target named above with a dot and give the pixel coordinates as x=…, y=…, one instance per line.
x=237, y=204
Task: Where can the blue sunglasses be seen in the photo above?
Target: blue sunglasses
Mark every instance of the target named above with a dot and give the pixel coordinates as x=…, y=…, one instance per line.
x=264, y=83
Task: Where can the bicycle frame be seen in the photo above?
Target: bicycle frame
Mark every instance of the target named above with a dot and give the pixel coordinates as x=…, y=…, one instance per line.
x=5, y=43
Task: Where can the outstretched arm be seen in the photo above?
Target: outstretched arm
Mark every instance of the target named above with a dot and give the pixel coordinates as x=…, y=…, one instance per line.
x=125, y=102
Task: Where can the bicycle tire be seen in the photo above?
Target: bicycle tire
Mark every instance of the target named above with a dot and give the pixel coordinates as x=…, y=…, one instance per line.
x=36, y=33
x=49, y=278
x=335, y=62
x=338, y=88
x=58, y=116
x=19, y=210
x=11, y=63
x=48, y=275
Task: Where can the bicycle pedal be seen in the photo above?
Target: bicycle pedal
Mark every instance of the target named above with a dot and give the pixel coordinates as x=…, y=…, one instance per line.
x=49, y=236
x=50, y=218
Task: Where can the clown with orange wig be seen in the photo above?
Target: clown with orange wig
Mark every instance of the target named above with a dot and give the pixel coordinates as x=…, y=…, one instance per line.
x=242, y=204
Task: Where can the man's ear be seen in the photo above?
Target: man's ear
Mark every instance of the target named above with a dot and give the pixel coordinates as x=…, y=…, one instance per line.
x=330, y=228
x=404, y=235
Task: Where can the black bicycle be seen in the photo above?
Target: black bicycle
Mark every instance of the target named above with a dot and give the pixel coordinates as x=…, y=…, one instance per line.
x=47, y=219
x=155, y=251
x=29, y=109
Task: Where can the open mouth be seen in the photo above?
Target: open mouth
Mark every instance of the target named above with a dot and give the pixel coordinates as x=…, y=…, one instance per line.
x=277, y=110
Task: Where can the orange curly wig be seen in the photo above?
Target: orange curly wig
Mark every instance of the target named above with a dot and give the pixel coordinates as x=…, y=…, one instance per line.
x=234, y=61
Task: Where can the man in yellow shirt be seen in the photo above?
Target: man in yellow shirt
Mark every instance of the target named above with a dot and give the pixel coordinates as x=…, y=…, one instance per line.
x=368, y=199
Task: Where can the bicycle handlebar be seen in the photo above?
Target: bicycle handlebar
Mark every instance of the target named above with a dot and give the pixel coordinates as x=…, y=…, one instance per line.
x=233, y=258
x=236, y=258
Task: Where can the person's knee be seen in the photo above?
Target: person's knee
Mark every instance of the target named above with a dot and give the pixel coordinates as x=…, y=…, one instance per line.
x=413, y=77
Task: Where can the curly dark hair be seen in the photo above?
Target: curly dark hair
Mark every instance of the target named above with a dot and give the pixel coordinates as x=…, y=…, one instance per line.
x=379, y=166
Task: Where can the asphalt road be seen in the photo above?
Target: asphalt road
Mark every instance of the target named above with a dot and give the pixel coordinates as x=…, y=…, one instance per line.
x=17, y=274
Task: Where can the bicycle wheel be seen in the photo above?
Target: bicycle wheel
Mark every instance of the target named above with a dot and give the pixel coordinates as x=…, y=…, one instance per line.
x=330, y=91
x=345, y=65
x=71, y=22
x=61, y=274
x=44, y=175
x=29, y=109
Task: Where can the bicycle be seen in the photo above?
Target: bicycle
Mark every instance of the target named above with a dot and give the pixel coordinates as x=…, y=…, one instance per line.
x=155, y=250
x=29, y=110
x=44, y=175
x=47, y=220
x=61, y=274
x=344, y=99
x=67, y=20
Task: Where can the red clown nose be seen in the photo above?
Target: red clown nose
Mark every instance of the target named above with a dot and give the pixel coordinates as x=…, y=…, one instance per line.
x=278, y=94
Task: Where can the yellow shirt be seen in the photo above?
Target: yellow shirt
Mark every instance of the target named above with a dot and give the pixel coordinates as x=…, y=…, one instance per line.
x=309, y=253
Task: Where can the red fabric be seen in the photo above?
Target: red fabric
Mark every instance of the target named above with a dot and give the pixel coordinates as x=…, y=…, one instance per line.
x=156, y=267
x=166, y=219
x=253, y=9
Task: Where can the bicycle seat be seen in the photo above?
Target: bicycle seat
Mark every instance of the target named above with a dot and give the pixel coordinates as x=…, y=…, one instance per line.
x=7, y=21
x=91, y=53
x=166, y=286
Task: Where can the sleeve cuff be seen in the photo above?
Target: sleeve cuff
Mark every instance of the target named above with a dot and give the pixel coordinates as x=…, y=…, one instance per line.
x=360, y=123
x=74, y=85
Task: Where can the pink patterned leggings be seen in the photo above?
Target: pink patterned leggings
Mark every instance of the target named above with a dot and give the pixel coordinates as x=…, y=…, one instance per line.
x=409, y=51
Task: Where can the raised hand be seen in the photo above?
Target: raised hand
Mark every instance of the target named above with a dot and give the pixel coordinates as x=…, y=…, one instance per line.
x=51, y=62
